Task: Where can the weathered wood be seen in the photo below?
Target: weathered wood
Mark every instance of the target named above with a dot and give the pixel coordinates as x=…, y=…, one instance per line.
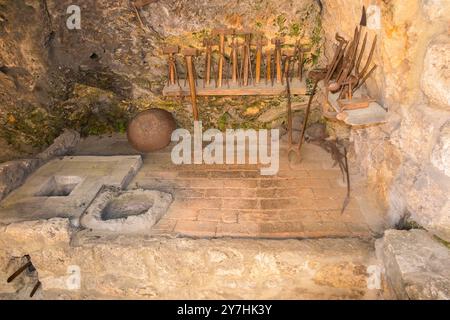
x=191, y=87
x=278, y=42
x=373, y=114
x=297, y=88
x=268, y=66
x=221, y=32
x=170, y=51
x=355, y=103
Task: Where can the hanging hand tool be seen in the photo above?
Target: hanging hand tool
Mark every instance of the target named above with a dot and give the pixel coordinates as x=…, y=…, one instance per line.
x=347, y=65
x=307, y=113
x=364, y=79
x=189, y=53
x=207, y=43
x=301, y=50
x=259, y=42
x=234, y=60
x=287, y=63
x=35, y=288
x=347, y=176
x=362, y=25
x=350, y=83
x=19, y=271
x=351, y=59
x=361, y=53
x=363, y=75
x=246, y=63
x=278, y=42
x=268, y=66
x=221, y=32
x=369, y=59
x=336, y=59
x=173, y=75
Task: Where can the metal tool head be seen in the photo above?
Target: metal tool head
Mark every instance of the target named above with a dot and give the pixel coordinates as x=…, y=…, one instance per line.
x=340, y=39
x=305, y=47
x=363, y=22
x=171, y=49
x=189, y=52
x=277, y=41
x=288, y=53
x=260, y=41
x=208, y=41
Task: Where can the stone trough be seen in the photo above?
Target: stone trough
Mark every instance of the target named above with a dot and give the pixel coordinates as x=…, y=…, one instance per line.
x=135, y=211
x=66, y=187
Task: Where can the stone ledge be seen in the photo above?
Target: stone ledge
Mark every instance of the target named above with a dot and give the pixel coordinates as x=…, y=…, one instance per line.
x=416, y=264
x=165, y=268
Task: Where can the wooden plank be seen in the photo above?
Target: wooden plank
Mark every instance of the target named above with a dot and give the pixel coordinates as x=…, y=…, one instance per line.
x=355, y=103
x=373, y=114
x=297, y=88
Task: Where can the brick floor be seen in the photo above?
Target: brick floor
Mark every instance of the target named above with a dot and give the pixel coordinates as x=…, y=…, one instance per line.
x=301, y=201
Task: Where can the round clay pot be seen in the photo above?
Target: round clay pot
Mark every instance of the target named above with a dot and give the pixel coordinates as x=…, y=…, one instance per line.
x=151, y=130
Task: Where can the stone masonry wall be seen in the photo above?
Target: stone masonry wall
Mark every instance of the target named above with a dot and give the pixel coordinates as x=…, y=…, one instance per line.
x=406, y=160
x=183, y=268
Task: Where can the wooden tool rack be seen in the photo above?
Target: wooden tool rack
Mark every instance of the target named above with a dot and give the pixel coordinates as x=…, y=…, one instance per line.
x=245, y=65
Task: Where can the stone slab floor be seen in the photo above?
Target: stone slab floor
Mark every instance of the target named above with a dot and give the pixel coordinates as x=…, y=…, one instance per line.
x=301, y=201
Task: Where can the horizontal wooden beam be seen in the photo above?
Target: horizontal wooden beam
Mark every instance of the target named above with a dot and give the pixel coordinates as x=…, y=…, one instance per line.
x=262, y=89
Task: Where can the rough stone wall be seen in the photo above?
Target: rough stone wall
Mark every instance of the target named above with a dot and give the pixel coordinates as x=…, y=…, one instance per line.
x=96, y=78
x=23, y=70
x=406, y=160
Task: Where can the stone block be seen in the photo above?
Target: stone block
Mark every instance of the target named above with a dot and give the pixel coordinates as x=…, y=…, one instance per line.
x=440, y=156
x=435, y=81
x=63, y=145
x=14, y=173
x=436, y=9
x=426, y=199
x=416, y=264
x=418, y=131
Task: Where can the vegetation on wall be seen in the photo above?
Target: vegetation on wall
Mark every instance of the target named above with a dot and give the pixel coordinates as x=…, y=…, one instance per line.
x=89, y=110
